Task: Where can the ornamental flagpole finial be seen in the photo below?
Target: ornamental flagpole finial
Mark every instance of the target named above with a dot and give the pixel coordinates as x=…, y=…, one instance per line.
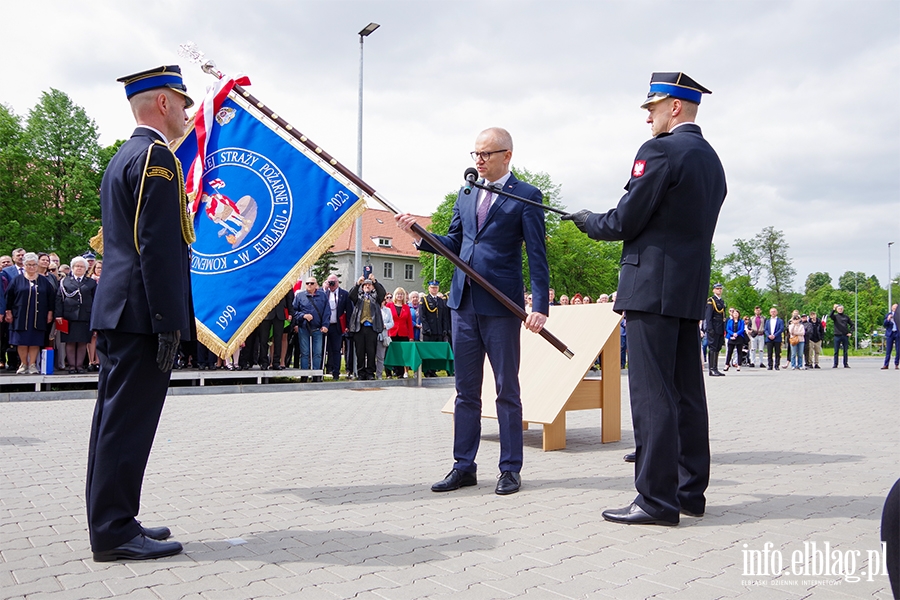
x=190, y=51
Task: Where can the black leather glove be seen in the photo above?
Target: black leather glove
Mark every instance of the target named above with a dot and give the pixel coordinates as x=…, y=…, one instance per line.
x=579, y=218
x=168, y=348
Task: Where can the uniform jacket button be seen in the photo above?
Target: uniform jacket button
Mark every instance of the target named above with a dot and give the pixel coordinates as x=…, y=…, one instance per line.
x=158, y=317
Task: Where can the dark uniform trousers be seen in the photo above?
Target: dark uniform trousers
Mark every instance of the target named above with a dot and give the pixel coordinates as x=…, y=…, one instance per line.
x=333, y=341
x=131, y=392
x=671, y=424
x=474, y=336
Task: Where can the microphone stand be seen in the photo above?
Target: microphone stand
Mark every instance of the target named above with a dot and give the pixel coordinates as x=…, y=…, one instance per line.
x=210, y=68
x=496, y=189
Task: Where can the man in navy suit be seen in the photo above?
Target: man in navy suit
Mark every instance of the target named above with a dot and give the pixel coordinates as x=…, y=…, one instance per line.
x=10, y=272
x=337, y=301
x=666, y=219
x=774, y=331
x=487, y=230
x=142, y=308
x=891, y=339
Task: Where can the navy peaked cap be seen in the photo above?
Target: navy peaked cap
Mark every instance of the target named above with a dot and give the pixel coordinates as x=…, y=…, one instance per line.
x=160, y=77
x=673, y=85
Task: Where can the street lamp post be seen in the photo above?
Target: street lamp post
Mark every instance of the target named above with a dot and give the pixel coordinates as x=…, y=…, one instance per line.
x=890, y=277
x=357, y=255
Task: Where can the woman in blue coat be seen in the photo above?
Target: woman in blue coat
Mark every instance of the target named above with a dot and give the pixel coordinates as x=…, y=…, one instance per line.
x=734, y=333
x=30, y=300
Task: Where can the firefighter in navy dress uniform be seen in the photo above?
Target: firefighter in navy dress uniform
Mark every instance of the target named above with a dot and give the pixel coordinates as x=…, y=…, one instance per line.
x=435, y=318
x=142, y=309
x=666, y=219
x=714, y=327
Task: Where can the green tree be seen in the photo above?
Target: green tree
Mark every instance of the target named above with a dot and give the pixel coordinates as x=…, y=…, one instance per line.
x=440, y=224
x=716, y=269
x=64, y=176
x=579, y=264
x=773, y=252
x=745, y=260
x=13, y=166
x=815, y=282
x=324, y=266
x=739, y=294
x=849, y=281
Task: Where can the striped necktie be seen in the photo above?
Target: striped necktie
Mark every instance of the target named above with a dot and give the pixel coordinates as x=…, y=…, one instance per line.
x=483, y=208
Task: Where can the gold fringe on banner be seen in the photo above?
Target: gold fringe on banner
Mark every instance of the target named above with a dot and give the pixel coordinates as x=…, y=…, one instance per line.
x=96, y=242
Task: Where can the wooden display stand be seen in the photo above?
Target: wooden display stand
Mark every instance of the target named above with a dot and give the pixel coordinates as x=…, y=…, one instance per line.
x=553, y=384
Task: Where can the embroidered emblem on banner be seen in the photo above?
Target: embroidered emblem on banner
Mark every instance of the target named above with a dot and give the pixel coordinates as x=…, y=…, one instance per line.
x=253, y=225
x=639, y=166
x=225, y=115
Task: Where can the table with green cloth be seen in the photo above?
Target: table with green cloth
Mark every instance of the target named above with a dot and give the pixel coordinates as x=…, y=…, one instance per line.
x=429, y=356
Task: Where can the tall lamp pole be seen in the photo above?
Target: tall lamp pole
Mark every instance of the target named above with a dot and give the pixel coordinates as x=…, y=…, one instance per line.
x=890, y=275
x=357, y=255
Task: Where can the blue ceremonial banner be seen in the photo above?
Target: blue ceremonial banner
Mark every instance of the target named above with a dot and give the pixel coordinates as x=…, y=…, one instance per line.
x=265, y=208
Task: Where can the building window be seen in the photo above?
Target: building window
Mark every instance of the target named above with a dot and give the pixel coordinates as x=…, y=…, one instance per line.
x=409, y=275
x=384, y=242
x=388, y=270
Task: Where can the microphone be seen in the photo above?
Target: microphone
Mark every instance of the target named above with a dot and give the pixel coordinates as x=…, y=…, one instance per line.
x=470, y=176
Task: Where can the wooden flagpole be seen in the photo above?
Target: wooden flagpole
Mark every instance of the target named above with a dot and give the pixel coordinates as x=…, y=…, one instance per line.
x=210, y=68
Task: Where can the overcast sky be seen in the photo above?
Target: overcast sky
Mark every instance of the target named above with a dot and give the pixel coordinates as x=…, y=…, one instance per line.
x=805, y=110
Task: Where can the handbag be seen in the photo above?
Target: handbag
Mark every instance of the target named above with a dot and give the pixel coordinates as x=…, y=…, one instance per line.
x=795, y=339
x=384, y=338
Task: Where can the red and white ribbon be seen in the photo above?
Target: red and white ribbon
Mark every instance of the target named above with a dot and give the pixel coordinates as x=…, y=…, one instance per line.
x=203, y=124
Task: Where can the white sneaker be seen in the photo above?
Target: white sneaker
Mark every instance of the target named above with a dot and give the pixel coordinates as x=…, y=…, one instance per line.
x=22, y=370
x=33, y=370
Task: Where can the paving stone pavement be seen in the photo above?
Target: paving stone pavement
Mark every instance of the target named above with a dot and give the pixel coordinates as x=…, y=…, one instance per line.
x=325, y=494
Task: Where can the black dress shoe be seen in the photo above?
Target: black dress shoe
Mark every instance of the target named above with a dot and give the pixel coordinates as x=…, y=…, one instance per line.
x=688, y=513
x=157, y=533
x=634, y=515
x=139, y=547
x=630, y=457
x=454, y=480
x=508, y=483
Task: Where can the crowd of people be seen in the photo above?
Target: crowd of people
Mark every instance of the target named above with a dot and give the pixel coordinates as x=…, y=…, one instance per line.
x=576, y=299
x=336, y=330
x=759, y=341
x=46, y=304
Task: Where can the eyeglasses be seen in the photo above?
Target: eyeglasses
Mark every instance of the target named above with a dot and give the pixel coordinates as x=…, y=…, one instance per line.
x=310, y=283
x=485, y=156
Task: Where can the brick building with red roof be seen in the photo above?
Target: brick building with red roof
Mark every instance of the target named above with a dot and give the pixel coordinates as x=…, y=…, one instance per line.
x=388, y=249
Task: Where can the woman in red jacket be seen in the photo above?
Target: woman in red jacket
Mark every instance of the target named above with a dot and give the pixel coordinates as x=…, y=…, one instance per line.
x=402, y=331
